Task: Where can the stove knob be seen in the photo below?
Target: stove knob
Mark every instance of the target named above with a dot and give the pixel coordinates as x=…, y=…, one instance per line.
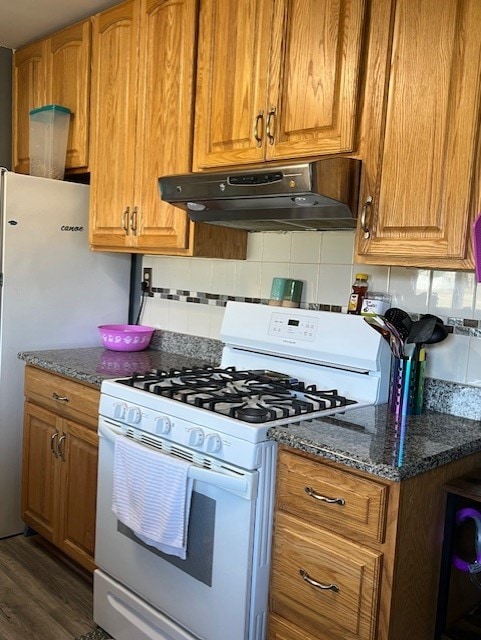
x=133, y=415
x=212, y=443
x=162, y=425
x=119, y=410
x=196, y=437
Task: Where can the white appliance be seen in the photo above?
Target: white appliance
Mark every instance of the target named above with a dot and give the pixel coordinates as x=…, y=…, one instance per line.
x=278, y=366
x=53, y=293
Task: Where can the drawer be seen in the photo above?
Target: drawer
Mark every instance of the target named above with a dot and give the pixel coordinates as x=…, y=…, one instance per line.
x=346, y=609
x=331, y=498
x=65, y=397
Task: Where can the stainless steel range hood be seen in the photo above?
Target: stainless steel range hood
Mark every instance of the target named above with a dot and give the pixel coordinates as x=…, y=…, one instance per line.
x=322, y=194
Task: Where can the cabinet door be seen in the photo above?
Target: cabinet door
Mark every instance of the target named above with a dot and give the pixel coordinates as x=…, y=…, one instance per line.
x=233, y=60
x=78, y=453
x=39, y=474
x=29, y=82
x=314, y=79
x=68, y=73
x=114, y=98
x=165, y=118
x=423, y=181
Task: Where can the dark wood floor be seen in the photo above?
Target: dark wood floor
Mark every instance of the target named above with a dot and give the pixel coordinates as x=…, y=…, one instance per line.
x=41, y=598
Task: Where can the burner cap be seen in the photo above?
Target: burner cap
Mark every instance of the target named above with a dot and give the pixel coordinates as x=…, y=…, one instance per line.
x=252, y=414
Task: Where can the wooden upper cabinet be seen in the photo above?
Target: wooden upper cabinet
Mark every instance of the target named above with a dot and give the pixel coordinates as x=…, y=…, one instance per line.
x=276, y=79
x=143, y=56
x=68, y=68
x=55, y=70
x=423, y=183
x=114, y=97
x=167, y=63
x=29, y=92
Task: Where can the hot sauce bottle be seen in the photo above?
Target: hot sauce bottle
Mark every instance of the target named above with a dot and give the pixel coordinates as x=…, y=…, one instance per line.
x=359, y=290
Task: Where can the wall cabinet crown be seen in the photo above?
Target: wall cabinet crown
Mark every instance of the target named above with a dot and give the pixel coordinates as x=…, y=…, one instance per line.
x=276, y=79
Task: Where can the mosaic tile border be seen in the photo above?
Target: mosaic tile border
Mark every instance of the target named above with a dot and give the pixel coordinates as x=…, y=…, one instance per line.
x=457, y=326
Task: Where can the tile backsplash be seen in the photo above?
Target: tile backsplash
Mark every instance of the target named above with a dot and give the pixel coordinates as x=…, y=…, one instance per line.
x=190, y=293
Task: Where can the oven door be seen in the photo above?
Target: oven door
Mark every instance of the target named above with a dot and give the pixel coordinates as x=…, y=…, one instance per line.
x=207, y=594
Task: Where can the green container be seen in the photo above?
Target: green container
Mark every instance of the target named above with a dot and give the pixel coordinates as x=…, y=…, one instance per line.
x=49, y=127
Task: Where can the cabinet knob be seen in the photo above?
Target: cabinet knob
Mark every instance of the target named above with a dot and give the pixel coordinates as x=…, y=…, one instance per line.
x=318, y=496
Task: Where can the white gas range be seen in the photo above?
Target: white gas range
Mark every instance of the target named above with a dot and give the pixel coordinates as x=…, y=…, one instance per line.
x=278, y=366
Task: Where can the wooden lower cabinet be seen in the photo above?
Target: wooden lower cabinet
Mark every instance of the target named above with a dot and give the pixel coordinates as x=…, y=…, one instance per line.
x=59, y=478
x=356, y=556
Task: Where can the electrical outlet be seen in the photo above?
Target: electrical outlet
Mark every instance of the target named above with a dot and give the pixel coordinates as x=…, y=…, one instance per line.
x=147, y=279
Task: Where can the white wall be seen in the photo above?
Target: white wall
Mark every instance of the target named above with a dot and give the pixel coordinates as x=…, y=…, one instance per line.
x=324, y=262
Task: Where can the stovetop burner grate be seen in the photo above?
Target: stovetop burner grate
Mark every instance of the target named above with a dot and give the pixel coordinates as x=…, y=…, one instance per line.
x=247, y=395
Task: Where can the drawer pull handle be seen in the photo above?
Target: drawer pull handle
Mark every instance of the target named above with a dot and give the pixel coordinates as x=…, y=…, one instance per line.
x=310, y=491
x=55, y=396
x=53, y=444
x=305, y=576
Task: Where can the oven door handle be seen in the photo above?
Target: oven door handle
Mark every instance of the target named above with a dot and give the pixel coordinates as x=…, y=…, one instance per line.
x=244, y=486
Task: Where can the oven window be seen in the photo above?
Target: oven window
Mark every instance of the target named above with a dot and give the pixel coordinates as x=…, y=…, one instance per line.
x=200, y=542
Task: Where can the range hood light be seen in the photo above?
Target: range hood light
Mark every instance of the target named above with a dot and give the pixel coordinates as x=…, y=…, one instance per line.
x=306, y=201
x=196, y=206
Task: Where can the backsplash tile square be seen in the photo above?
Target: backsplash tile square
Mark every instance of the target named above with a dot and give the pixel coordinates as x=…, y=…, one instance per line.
x=337, y=247
x=334, y=284
x=410, y=289
x=277, y=246
x=306, y=247
x=441, y=362
x=452, y=293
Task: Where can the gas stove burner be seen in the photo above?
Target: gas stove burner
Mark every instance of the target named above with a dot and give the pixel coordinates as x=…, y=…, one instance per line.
x=253, y=396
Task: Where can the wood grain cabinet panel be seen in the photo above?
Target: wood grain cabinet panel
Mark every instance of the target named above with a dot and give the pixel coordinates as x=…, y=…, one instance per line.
x=29, y=92
x=422, y=188
x=276, y=80
x=142, y=120
x=327, y=552
x=60, y=450
x=327, y=497
x=54, y=70
x=325, y=584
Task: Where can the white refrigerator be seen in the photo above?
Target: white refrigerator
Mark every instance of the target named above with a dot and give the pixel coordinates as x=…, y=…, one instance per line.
x=54, y=292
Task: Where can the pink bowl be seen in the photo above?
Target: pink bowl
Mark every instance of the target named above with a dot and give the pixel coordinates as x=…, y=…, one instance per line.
x=125, y=337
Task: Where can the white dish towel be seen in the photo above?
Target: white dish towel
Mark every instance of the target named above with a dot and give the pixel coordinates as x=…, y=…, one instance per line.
x=151, y=495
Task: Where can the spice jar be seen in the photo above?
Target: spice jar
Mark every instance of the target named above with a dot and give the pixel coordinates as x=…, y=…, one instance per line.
x=359, y=290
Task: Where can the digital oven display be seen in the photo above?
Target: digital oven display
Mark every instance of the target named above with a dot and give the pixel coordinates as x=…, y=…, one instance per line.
x=293, y=323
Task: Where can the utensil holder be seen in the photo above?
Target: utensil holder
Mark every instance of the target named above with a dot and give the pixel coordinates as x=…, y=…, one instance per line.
x=407, y=384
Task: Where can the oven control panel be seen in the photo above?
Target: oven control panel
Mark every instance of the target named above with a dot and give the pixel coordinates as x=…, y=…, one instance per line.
x=293, y=327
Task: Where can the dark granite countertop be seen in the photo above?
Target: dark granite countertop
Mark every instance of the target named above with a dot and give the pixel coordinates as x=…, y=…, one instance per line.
x=370, y=439
x=94, y=364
